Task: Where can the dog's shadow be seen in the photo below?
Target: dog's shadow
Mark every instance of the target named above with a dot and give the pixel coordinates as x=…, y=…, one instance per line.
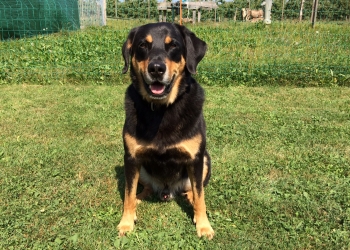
x=181, y=201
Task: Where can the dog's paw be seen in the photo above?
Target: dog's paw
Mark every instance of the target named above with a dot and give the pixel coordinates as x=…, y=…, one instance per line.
x=203, y=227
x=126, y=226
x=206, y=231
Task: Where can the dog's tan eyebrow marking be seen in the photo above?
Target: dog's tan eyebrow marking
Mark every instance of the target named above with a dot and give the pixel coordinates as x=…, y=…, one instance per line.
x=168, y=39
x=149, y=38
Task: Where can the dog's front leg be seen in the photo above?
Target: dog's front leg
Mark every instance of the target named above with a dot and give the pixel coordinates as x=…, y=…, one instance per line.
x=203, y=226
x=132, y=173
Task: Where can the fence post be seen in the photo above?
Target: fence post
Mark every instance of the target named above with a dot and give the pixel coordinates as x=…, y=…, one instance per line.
x=268, y=6
x=314, y=13
x=104, y=12
x=180, y=12
x=116, y=8
x=301, y=10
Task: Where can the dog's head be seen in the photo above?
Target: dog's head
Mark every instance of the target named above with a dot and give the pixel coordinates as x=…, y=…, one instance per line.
x=161, y=55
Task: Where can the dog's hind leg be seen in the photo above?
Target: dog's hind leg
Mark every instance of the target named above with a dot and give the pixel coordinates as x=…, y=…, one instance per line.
x=189, y=196
x=145, y=193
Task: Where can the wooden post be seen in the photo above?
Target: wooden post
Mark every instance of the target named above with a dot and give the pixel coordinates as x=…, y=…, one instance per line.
x=164, y=15
x=194, y=16
x=180, y=12
x=301, y=10
x=314, y=13
x=104, y=13
x=116, y=8
x=268, y=6
x=199, y=15
x=282, y=10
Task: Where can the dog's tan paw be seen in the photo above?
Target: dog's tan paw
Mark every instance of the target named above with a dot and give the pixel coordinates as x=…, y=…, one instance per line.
x=125, y=226
x=206, y=231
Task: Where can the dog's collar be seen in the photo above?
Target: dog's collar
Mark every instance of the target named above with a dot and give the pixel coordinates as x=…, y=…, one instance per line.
x=155, y=106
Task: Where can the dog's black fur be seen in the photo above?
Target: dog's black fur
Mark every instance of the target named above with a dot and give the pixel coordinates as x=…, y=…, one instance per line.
x=164, y=132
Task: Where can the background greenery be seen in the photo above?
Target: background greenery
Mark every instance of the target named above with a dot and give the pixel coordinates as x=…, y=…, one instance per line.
x=280, y=54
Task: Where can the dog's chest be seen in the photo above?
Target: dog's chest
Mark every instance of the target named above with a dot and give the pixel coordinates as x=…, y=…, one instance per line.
x=183, y=150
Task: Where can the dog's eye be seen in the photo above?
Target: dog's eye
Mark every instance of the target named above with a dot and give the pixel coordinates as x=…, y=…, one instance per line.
x=173, y=45
x=142, y=45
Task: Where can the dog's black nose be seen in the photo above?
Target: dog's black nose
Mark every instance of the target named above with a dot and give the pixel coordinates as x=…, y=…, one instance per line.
x=156, y=69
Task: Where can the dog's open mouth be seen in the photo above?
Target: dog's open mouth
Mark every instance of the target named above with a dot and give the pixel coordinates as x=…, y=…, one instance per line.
x=157, y=88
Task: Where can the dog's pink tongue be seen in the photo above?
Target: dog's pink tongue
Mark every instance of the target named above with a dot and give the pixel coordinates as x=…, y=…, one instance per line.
x=157, y=88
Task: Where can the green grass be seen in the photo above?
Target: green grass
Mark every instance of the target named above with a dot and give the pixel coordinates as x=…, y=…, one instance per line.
x=283, y=53
x=281, y=163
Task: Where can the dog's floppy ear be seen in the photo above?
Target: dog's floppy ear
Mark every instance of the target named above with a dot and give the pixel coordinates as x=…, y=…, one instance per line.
x=195, y=49
x=127, y=49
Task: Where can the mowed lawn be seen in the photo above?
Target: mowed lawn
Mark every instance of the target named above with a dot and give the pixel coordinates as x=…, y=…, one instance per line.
x=280, y=155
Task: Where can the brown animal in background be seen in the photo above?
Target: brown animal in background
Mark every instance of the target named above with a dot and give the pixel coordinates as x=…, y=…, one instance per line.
x=254, y=14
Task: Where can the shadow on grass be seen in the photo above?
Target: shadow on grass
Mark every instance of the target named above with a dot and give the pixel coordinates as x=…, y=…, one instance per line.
x=120, y=177
x=181, y=201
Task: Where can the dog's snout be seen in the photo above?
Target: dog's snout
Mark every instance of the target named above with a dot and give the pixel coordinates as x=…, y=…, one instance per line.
x=156, y=69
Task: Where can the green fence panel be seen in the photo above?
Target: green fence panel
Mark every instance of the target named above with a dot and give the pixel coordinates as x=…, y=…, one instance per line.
x=23, y=18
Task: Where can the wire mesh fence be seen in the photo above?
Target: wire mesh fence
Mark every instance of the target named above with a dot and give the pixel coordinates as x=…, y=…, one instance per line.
x=31, y=17
x=240, y=52
x=328, y=10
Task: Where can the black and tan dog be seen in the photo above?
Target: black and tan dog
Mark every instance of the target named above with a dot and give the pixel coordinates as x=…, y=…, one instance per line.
x=164, y=132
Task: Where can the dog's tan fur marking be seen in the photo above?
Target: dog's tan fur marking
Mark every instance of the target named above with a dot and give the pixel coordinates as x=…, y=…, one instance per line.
x=134, y=145
x=129, y=214
x=189, y=146
x=141, y=67
x=189, y=193
x=129, y=44
x=168, y=39
x=205, y=167
x=200, y=215
x=149, y=38
x=175, y=69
